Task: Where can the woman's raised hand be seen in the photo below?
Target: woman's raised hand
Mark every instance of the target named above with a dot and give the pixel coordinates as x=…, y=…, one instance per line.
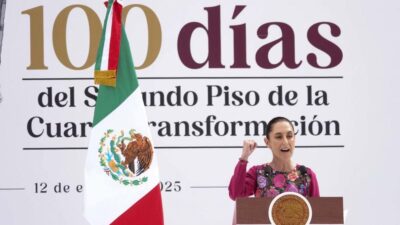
x=248, y=148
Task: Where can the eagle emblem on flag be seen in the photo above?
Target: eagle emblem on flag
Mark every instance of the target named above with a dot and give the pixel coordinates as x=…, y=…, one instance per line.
x=125, y=158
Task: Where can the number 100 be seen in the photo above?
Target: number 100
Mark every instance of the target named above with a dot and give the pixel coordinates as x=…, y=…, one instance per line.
x=37, y=58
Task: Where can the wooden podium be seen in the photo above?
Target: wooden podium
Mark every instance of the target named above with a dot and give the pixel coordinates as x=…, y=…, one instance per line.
x=325, y=210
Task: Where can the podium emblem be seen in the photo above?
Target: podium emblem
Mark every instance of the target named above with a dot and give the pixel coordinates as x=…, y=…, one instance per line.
x=290, y=208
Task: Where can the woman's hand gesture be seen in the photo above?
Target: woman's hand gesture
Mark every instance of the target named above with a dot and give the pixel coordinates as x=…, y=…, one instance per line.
x=248, y=148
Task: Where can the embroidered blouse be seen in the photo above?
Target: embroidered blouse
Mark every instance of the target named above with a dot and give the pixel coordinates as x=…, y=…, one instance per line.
x=263, y=181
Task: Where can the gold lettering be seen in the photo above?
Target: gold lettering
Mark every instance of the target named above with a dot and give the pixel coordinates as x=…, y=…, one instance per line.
x=154, y=35
x=36, y=38
x=60, y=42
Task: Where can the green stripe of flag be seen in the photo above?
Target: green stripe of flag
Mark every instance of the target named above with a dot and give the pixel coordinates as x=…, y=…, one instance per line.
x=109, y=98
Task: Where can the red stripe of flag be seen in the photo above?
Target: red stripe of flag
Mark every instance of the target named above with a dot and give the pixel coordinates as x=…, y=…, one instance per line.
x=115, y=39
x=147, y=211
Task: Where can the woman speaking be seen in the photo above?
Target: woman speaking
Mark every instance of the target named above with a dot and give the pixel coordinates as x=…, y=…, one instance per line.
x=275, y=177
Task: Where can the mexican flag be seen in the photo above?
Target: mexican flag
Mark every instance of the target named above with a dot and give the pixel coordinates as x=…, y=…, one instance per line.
x=121, y=174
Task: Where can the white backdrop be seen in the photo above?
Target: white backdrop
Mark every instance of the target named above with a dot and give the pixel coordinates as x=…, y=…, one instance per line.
x=356, y=159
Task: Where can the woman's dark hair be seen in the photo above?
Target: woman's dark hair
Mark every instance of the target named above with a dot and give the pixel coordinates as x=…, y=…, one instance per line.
x=274, y=121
